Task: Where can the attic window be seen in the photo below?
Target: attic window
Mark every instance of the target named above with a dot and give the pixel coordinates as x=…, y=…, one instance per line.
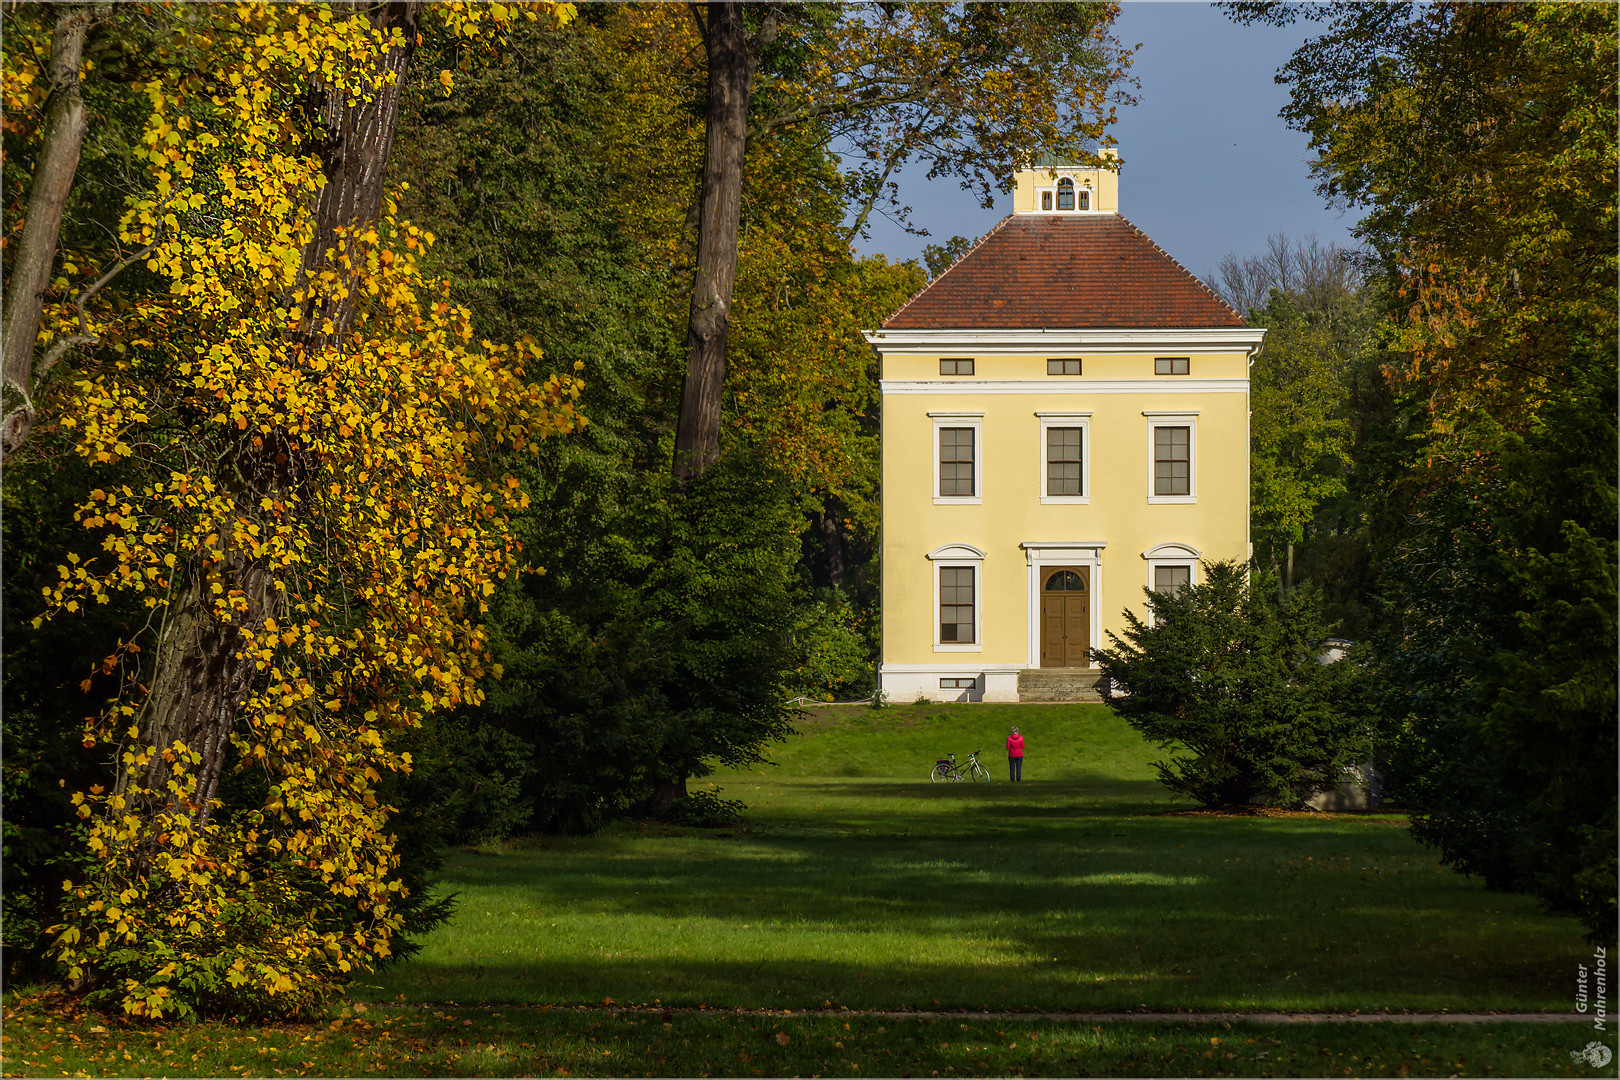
x=956, y=365
x=1170, y=365
x=1065, y=194
x=1069, y=366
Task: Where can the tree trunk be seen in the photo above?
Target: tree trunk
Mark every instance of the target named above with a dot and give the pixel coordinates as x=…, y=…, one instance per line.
x=731, y=80
x=832, y=542
x=62, y=139
x=659, y=804
x=201, y=678
x=354, y=154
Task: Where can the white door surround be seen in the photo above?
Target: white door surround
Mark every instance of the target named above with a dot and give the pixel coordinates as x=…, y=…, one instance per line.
x=1054, y=553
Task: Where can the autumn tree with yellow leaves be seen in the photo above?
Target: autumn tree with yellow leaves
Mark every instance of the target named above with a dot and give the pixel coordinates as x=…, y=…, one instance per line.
x=293, y=430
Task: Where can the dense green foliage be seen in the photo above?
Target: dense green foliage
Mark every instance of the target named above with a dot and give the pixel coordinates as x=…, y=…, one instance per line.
x=1502, y=592
x=1229, y=677
x=1300, y=423
x=1480, y=140
x=666, y=627
x=939, y=257
x=44, y=701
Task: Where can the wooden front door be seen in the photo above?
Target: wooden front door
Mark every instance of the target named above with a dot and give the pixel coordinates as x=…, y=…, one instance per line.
x=1066, y=617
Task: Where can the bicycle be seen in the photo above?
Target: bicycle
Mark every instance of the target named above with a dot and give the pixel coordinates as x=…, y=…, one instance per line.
x=947, y=770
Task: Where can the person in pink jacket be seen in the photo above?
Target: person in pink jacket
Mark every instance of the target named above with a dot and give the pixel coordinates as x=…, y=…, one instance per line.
x=1015, y=755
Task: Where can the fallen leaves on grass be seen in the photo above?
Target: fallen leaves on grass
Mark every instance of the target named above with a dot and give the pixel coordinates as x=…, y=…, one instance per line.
x=1381, y=818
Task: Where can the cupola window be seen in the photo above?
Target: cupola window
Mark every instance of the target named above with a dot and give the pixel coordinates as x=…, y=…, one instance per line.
x=1065, y=194
x=1085, y=200
x=1046, y=200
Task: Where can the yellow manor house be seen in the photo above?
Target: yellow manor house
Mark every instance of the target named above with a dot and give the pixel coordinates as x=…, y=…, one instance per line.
x=1065, y=423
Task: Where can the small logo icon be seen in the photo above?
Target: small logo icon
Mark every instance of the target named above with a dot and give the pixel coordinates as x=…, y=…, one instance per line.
x=1596, y=1055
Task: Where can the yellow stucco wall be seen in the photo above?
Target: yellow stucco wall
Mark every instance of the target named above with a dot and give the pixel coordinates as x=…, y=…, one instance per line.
x=1009, y=391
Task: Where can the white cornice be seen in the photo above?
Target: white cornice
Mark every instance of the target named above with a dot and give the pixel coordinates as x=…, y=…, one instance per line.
x=1055, y=342
x=1179, y=384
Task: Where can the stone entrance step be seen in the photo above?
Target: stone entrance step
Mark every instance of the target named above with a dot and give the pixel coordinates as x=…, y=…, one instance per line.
x=1059, y=684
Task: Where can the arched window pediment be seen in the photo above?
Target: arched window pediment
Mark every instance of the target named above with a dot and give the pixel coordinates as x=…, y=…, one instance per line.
x=956, y=551
x=1172, y=550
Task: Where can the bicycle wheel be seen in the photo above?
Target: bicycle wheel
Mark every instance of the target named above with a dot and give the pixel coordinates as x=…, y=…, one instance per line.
x=979, y=773
x=941, y=772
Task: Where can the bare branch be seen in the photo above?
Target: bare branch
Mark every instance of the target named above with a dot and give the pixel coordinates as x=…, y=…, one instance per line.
x=901, y=151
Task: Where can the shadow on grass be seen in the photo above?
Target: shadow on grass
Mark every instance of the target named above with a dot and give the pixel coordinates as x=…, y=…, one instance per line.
x=1168, y=913
x=775, y=983
x=1111, y=970
x=1044, y=810
x=1085, y=786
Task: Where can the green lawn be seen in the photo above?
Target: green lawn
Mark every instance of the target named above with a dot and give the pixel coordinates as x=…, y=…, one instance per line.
x=854, y=883
x=525, y=1042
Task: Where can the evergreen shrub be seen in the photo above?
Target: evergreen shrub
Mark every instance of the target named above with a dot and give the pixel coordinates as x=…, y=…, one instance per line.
x=1229, y=678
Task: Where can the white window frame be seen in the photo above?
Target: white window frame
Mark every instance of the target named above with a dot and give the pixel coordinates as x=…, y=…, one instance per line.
x=974, y=420
x=959, y=556
x=1157, y=419
x=1172, y=553
x=1081, y=420
x=1080, y=186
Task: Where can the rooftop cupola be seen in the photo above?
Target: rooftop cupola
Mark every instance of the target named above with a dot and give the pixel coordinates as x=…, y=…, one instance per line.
x=1053, y=186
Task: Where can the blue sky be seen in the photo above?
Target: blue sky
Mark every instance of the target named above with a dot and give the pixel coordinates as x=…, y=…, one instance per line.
x=1209, y=166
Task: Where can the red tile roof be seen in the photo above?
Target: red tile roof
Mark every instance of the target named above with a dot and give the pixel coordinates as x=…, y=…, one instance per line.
x=1048, y=271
